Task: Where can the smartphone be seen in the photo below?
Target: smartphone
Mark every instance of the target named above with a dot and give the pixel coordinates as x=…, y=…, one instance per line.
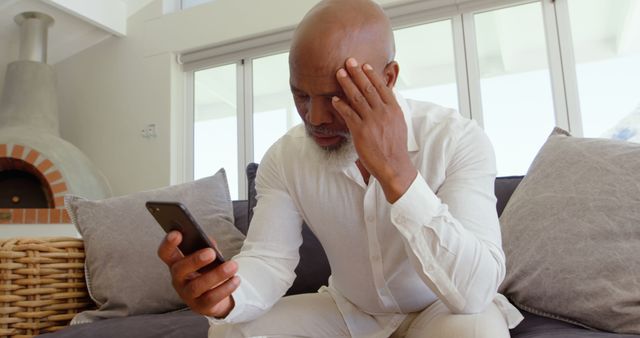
x=175, y=216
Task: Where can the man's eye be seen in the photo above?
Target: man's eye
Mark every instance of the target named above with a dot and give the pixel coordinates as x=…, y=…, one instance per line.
x=300, y=95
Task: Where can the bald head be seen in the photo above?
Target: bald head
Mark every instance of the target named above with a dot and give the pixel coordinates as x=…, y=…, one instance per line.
x=334, y=30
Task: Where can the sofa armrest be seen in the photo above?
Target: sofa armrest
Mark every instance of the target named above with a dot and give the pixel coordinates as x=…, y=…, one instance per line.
x=42, y=284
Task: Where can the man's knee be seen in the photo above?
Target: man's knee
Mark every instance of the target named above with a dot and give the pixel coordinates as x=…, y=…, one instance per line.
x=306, y=315
x=225, y=331
x=441, y=323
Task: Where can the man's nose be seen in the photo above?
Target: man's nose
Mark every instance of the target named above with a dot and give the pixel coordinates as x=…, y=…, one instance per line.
x=320, y=112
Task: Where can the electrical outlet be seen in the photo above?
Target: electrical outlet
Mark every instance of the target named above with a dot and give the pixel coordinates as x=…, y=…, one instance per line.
x=149, y=131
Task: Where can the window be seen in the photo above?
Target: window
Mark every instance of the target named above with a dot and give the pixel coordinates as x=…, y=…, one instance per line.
x=427, y=63
x=606, y=40
x=215, y=126
x=517, y=102
x=273, y=109
x=517, y=67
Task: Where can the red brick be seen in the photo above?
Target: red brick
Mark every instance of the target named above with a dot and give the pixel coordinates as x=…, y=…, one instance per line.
x=58, y=202
x=3, y=150
x=43, y=216
x=44, y=166
x=30, y=216
x=53, y=177
x=17, y=151
x=58, y=188
x=18, y=216
x=32, y=157
x=55, y=216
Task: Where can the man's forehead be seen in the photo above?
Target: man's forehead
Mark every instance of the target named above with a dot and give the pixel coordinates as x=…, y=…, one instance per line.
x=315, y=68
x=316, y=84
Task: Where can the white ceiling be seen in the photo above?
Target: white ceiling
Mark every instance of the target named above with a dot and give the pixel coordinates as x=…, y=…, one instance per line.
x=68, y=35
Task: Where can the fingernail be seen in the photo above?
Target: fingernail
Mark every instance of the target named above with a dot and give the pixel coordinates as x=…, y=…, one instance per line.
x=367, y=67
x=172, y=236
x=342, y=73
x=207, y=255
x=335, y=99
x=352, y=62
x=228, y=267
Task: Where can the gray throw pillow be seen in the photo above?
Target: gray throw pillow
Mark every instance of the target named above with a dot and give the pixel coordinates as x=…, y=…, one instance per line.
x=571, y=234
x=123, y=273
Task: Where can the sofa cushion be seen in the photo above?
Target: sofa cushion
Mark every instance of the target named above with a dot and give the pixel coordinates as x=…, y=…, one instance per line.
x=571, y=234
x=169, y=325
x=542, y=327
x=504, y=188
x=313, y=270
x=123, y=273
x=241, y=215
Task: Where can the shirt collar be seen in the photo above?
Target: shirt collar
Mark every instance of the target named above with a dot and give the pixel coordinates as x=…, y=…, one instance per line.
x=412, y=145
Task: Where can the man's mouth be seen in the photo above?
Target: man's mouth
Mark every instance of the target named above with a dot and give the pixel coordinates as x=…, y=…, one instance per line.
x=325, y=140
x=325, y=137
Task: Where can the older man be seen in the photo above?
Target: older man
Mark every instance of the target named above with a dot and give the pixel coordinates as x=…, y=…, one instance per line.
x=399, y=193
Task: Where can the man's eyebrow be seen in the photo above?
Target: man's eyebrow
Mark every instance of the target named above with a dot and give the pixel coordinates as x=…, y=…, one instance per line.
x=332, y=94
x=327, y=94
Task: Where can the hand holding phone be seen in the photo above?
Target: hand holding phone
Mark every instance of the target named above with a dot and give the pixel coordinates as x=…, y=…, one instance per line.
x=174, y=216
x=210, y=293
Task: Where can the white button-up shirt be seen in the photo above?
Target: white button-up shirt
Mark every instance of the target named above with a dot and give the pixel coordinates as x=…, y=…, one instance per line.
x=440, y=240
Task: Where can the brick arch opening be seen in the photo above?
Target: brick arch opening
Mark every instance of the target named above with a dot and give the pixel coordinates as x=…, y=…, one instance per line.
x=23, y=186
x=22, y=162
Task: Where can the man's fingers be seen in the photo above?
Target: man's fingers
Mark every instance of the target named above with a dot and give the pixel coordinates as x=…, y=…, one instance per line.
x=385, y=93
x=350, y=117
x=216, y=295
x=364, y=85
x=356, y=100
x=182, y=268
x=168, y=249
x=211, y=279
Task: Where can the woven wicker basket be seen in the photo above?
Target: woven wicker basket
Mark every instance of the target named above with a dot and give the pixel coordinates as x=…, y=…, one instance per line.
x=41, y=285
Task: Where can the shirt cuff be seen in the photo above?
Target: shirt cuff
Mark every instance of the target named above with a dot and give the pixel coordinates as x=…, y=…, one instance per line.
x=415, y=208
x=239, y=299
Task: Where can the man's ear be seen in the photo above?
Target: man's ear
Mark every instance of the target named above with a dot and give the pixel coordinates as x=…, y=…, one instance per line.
x=391, y=71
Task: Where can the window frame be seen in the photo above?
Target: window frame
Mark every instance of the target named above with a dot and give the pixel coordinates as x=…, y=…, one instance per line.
x=558, y=36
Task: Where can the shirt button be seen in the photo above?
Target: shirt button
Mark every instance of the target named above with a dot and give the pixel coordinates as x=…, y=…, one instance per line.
x=400, y=219
x=375, y=257
x=370, y=219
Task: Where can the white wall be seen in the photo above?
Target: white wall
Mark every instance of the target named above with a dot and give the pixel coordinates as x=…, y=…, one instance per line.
x=109, y=92
x=8, y=52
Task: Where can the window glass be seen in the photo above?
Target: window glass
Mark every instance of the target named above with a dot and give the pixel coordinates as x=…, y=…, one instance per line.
x=215, y=124
x=427, y=64
x=517, y=102
x=606, y=38
x=274, y=112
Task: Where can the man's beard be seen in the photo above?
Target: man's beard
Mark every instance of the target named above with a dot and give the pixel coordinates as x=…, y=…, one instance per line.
x=336, y=157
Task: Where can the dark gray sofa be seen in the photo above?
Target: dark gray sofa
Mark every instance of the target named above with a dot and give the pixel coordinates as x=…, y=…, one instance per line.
x=312, y=272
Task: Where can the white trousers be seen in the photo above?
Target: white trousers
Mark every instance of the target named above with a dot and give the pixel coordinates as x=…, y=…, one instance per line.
x=317, y=315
